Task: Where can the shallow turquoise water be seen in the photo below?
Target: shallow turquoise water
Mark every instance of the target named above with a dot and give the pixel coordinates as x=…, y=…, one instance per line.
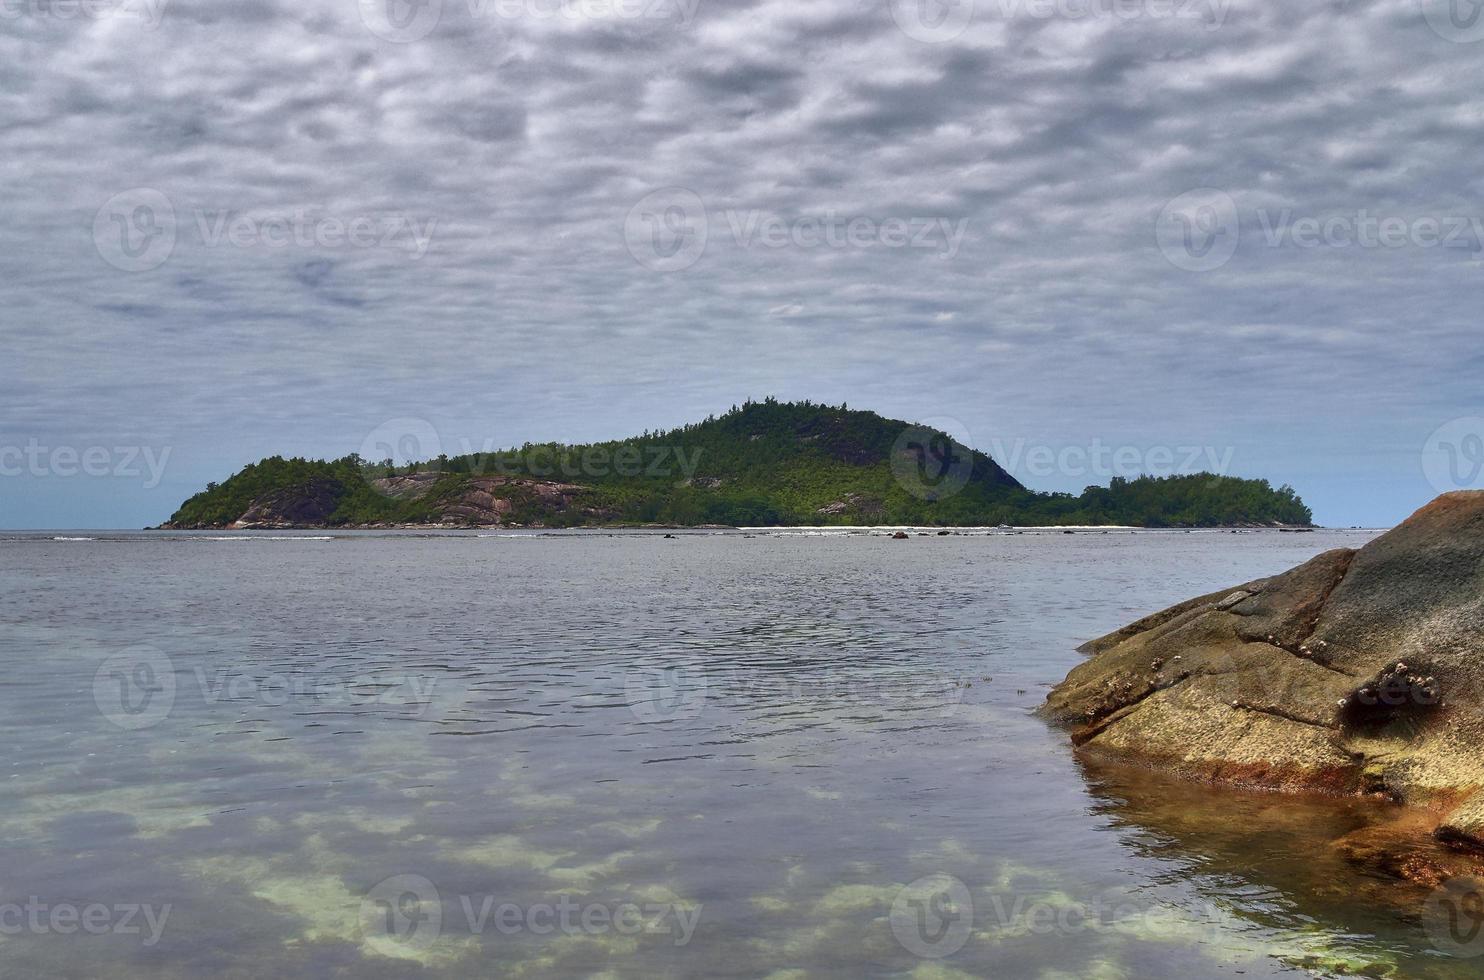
x=620, y=755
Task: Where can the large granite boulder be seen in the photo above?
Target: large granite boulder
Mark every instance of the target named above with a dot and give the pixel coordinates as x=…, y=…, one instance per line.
x=1361, y=671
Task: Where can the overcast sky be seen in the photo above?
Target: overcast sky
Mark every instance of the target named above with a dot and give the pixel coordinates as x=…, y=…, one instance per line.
x=1062, y=227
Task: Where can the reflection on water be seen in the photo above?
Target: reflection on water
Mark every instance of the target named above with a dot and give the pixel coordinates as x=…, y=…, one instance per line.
x=585, y=754
x=1290, y=864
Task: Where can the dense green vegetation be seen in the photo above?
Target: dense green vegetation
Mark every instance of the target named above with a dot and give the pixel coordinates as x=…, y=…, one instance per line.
x=221, y=504
x=764, y=463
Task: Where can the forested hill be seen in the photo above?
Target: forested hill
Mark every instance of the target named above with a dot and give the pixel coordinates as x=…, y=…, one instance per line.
x=764, y=463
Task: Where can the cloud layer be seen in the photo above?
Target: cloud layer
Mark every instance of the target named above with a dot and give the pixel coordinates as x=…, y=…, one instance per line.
x=241, y=228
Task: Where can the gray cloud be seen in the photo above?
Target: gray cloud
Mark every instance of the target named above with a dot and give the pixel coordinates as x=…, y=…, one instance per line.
x=522, y=139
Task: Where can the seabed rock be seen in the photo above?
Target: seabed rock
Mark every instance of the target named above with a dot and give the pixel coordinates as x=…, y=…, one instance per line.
x=1359, y=672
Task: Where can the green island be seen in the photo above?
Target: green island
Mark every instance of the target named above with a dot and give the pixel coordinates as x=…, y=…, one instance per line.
x=765, y=463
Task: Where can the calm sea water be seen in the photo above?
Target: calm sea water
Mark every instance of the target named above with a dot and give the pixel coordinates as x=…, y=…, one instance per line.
x=620, y=755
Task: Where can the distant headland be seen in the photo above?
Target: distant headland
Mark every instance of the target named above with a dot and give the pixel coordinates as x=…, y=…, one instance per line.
x=765, y=463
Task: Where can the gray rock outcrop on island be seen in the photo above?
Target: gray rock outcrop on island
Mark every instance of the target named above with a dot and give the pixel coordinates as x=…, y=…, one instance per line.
x=303, y=506
x=1361, y=671
x=473, y=502
x=485, y=501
